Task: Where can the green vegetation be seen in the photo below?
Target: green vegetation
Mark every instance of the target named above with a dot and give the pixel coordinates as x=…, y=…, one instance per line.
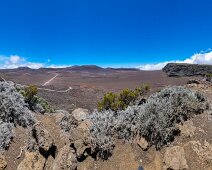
x=35, y=103
x=208, y=77
x=115, y=102
x=29, y=94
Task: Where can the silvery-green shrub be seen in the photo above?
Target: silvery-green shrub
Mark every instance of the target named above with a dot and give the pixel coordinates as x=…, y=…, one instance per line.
x=154, y=120
x=165, y=109
x=13, y=109
x=6, y=135
x=102, y=132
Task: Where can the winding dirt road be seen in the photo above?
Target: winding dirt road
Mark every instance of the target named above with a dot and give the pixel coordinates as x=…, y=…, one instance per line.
x=49, y=81
x=58, y=91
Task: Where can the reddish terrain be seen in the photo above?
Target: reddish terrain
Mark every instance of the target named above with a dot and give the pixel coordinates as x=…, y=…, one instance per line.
x=83, y=86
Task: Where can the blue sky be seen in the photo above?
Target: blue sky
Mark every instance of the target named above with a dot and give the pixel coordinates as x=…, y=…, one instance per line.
x=125, y=33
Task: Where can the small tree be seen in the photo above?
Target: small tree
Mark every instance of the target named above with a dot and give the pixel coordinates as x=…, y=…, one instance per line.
x=29, y=94
x=108, y=102
x=208, y=77
x=127, y=96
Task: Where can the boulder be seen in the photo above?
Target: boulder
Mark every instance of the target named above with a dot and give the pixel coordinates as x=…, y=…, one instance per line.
x=187, y=129
x=174, y=158
x=32, y=161
x=80, y=138
x=65, y=159
x=49, y=162
x=142, y=143
x=44, y=140
x=80, y=114
x=87, y=164
x=194, y=81
x=203, y=151
x=3, y=163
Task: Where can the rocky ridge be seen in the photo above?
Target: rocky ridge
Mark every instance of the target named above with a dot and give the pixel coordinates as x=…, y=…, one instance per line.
x=182, y=69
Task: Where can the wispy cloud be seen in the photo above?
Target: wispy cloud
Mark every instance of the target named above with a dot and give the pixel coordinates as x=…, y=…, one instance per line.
x=15, y=61
x=199, y=58
x=58, y=66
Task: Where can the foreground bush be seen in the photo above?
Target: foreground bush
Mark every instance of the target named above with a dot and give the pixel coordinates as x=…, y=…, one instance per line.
x=6, y=135
x=102, y=131
x=115, y=102
x=13, y=111
x=154, y=120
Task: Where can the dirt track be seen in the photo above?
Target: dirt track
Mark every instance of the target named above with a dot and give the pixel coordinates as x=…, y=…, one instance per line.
x=50, y=80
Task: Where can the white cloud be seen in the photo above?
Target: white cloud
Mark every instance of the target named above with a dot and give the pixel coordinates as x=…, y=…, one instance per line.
x=58, y=66
x=15, y=61
x=200, y=58
x=157, y=66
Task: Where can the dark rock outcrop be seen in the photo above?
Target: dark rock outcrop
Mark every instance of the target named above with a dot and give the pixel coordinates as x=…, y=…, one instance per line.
x=182, y=69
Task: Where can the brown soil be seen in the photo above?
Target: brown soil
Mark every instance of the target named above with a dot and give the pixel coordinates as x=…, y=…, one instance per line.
x=20, y=140
x=89, y=87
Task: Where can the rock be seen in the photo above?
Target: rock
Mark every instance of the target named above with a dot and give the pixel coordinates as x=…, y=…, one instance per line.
x=60, y=114
x=81, y=139
x=187, y=129
x=174, y=158
x=78, y=127
x=80, y=114
x=182, y=69
x=66, y=159
x=49, y=162
x=32, y=161
x=142, y=143
x=87, y=164
x=81, y=147
x=204, y=151
x=85, y=126
x=1, y=79
x=43, y=139
x=194, y=81
x=3, y=163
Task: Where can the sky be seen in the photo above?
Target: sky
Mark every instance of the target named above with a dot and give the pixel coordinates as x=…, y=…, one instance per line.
x=145, y=34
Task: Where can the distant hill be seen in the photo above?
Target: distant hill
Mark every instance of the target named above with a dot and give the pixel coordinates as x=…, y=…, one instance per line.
x=182, y=69
x=76, y=68
x=84, y=68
